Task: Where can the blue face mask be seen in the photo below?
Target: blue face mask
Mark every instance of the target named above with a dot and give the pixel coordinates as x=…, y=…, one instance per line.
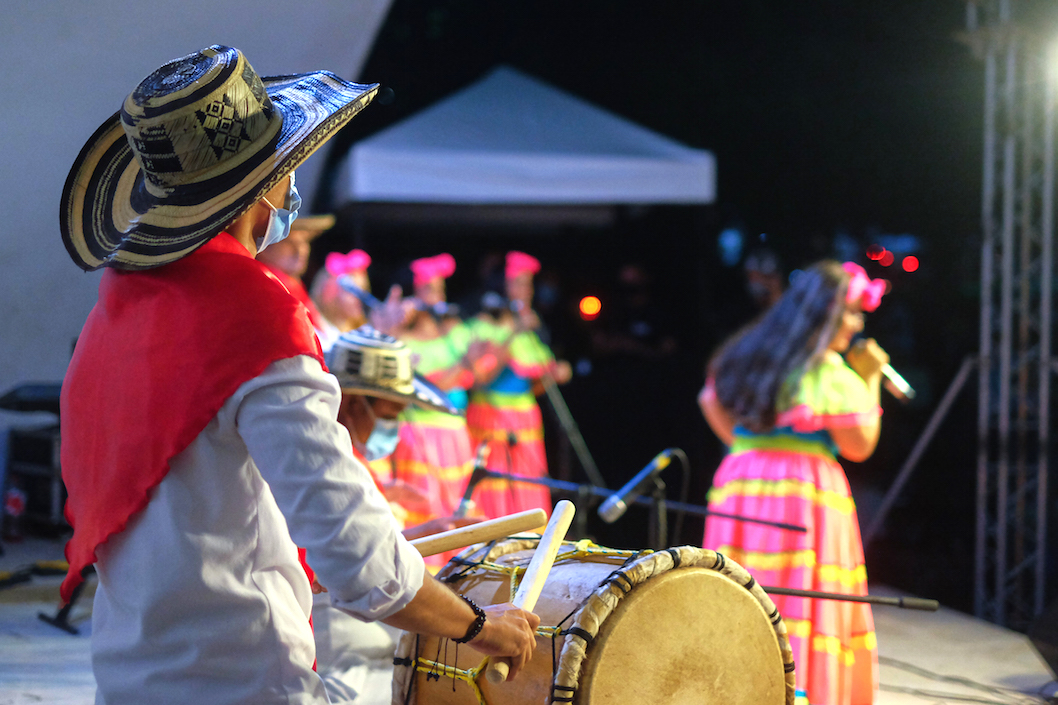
x=279, y=223
x=384, y=436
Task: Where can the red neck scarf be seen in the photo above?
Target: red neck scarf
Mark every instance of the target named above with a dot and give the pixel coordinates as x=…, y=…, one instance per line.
x=160, y=353
x=297, y=289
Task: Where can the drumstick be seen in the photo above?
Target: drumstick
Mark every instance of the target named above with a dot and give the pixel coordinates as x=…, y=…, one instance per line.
x=536, y=574
x=498, y=528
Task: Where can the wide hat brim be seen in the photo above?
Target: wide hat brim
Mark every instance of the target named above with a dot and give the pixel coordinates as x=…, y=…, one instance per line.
x=312, y=226
x=109, y=218
x=424, y=393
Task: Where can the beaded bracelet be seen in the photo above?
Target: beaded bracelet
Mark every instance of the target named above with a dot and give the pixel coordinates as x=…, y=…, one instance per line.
x=475, y=627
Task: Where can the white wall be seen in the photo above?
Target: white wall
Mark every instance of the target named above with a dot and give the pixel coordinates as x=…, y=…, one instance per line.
x=66, y=68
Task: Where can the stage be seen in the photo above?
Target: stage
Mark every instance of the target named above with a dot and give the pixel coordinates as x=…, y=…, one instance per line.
x=926, y=657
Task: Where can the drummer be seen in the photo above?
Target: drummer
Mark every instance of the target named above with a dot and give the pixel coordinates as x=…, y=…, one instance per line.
x=200, y=438
x=375, y=373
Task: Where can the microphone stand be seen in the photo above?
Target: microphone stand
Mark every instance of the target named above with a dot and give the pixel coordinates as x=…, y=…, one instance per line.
x=569, y=425
x=562, y=412
x=658, y=534
x=910, y=603
x=582, y=491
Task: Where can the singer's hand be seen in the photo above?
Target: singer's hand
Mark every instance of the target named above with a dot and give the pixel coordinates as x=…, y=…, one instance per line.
x=404, y=494
x=867, y=358
x=394, y=313
x=563, y=372
x=527, y=319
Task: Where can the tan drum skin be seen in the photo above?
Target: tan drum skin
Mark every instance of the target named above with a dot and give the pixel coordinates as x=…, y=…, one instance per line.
x=676, y=626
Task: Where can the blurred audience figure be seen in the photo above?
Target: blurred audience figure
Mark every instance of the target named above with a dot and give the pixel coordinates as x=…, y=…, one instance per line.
x=434, y=454
x=289, y=258
x=638, y=326
x=764, y=277
x=340, y=311
x=503, y=412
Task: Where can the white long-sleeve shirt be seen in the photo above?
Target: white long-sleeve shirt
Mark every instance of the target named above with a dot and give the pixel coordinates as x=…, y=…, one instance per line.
x=202, y=600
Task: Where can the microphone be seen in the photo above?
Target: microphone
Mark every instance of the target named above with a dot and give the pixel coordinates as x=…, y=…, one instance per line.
x=475, y=477
x=898, y=382
x=614, y=507
x=367, y=299
x=897, y=385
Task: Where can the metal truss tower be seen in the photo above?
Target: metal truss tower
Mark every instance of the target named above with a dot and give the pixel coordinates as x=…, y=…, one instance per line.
x=1015, y=364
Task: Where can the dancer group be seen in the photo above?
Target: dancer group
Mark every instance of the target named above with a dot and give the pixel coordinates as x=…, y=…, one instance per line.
x=490, y=366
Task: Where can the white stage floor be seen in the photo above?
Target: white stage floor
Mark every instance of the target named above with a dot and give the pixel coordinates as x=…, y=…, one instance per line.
x=927, y=658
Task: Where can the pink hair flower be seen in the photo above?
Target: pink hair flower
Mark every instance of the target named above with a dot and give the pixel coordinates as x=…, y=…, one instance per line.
x=428, y=268
x=862, y=288
x=355, y=261
x=521, y=263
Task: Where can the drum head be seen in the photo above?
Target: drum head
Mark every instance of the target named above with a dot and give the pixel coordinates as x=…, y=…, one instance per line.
x=691, y=635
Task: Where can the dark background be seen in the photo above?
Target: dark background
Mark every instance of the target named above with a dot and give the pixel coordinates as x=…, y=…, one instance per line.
x=825, y=118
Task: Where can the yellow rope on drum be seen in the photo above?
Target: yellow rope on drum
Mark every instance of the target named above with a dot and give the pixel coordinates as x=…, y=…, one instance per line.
x=470, y=675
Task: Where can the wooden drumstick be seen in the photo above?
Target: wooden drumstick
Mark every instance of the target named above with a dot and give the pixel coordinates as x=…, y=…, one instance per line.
x=536, y=575
x=498, y=528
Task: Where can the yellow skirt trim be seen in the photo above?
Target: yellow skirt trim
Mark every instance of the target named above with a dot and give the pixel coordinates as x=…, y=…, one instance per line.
x=782, y=488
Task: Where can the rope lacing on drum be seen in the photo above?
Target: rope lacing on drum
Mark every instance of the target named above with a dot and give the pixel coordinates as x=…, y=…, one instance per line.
x=568, y=693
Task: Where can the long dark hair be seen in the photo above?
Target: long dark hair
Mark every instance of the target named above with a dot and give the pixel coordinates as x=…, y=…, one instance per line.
x=752, y=367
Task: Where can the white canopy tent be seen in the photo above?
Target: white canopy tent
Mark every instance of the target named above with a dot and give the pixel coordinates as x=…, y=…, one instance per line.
x=510, y=139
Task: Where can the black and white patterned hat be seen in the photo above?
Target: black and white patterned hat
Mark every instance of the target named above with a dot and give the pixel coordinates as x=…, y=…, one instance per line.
x=373, y=364
x=194, y=146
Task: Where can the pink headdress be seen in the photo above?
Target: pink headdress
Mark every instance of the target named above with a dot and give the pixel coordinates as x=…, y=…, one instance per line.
x=427, y=268
x=338, y=264
x=520, y=263
x=862, y=288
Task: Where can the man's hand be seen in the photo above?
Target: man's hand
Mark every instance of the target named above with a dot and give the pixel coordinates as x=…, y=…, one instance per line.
x=509, y=631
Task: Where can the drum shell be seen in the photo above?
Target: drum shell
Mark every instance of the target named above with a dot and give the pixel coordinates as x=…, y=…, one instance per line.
x=660, y=641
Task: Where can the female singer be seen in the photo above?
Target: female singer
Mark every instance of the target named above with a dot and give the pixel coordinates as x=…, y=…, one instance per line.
x=781, y=396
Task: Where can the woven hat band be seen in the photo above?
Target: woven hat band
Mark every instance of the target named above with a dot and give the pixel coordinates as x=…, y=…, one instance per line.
x=197, y=118
x=386, y=368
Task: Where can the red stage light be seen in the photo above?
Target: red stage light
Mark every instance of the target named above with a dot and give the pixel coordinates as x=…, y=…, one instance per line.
x=910, y=263
x=887, y=258
x=875, y=252
x=590, y=306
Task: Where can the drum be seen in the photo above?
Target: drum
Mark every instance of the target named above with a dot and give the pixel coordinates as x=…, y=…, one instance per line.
x=684, y=625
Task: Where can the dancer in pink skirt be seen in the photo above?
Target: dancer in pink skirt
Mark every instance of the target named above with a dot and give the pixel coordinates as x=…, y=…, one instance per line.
x=781, y=396
x=434, y=455
x=503, y=411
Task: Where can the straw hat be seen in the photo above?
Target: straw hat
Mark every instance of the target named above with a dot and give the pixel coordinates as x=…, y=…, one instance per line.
x=373, y=364
x=312, y=226
x=194, y=146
